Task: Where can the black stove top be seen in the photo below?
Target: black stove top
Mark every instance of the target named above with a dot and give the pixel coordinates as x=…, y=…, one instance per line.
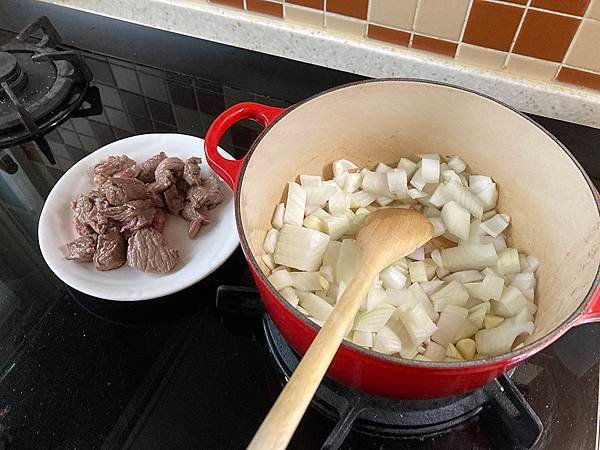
x=178, y=372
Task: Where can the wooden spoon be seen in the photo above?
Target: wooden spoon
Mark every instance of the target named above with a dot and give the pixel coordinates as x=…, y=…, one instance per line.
x=385, y=236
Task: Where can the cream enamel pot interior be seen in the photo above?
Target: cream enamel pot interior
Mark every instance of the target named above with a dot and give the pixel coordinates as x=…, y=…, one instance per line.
x=553, y=205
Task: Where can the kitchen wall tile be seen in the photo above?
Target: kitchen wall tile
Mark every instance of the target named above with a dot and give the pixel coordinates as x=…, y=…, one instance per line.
x=441, y=19
x=593, y=11
x=265, y=7
x=351, y=8
x=492, y=25
x=390, y=35
x=393, y=13
x=575, y=7
x=316, y=4
x=434, y=45
x=579, y=77
x=532, y=67
x=585, y=51
x=480, y=56
x=304, y=15
x=134, y=103
x=345, y=25
x=545, y=35
x=233, y=3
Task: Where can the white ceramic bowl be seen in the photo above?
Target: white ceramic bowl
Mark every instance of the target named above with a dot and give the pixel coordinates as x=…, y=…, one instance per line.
x=199, y=257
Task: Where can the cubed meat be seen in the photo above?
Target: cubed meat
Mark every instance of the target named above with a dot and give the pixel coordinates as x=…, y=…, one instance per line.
x=148, y=167
x=149, y=252
x=110, y=250
x=119, y=191
x=166, y=172
x=109, y=167
x=191, y=171
x=133, y=215
x=82, y=249
x=174, y=199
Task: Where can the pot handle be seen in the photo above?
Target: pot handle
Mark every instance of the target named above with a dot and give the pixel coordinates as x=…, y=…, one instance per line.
x=592, y=312
x=229, y=169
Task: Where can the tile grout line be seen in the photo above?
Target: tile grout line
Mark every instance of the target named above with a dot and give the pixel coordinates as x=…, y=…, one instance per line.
x=517, y=32
x=324, y=13
x=414, y=21
x=568, y=52
x=464, y=27
x=580, y=69
x=534, y=8
x=369, y=5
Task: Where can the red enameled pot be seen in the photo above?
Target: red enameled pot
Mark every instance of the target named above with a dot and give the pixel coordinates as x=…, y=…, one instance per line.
x=553, y=205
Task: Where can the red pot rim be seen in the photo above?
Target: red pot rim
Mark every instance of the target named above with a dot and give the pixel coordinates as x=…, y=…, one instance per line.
x=515, y=355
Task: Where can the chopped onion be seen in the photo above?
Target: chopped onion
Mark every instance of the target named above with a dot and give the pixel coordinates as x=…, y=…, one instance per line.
x=300, y=248
x=399, y=297
x=332, y=251
x=522, y=316
x=457, y=164
x=452, y=352
x=450, y=176
x=510, y=303
x=488, y=197
x=277, y=220
x=492, y=287
x=308, y=281
x=417, y=271
x=429, y=287
x=439, y=197
x=382, y=168
x=397, y=181
x=374, y=319
x=386, y=341
x=280, y=279
x=523, y=281
x=363, y=338
x=418, y=254
x=465, y=198
x=473, y=290
x=491, y=321
x=417, y=180
x=465, y=276
x=327, y=273
x=467, y=348
x=336, y=225
x=348, y=261
x=488, y=214
x=436, y=256
x=270, y=241
x=361, y=199
x=457, y=219
x=341, y=168
x=430, y=211
x=430, y=170
x=435, y=352
x=393, y=277
x=477, y=314
x=452, y=294
x=500, y=339
x=532, y=264
x=310, y=180
x=450, y=322
x=352, y=182
x=419, y=294
x=508, y=261
x=408, y=166
x=467, y=330
x=417, y=322
x=376, y=295
x=376, y=184
x=315, y=305
x=289, y=293
x=469, y=257
x=339, y=202
x=383, y=201
x=478, y=183
x=314, y=223
x=494, y=226
x=439, y=227
x=318, y=196
x=442, y=272
x=294, y=207
x=269, y=261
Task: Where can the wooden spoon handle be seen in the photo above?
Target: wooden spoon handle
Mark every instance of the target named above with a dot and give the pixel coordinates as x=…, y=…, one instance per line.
x=278, y=427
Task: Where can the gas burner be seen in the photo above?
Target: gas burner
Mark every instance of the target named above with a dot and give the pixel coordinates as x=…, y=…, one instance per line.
x=41, y=85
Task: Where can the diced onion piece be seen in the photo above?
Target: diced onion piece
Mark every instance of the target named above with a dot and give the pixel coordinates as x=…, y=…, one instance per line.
x=340, y=202
x=492, y=321
x=494, y=226
x=417, y=322
x=510, y=303
x=327, y=273
x=418, y=254
x=450, y=176
x=363, y=338
x=430, y=170
x=382, y=167
x=270, y=241
x=532, y=264
x=450, y=322
x=417, y=180
x=429, y=287
x=467, y=330
x=436, y=255
x=393, y=278
x=416, y=194
x=341, y=168
x=397, y=181
x=421, y=358
x=488, y=197
x=499, y=340
x=473, y=290
x=310, y=209
x=348, y=261
x=439, y=227
x=318, y=196
x=320, y=213
x=442, y=272
x=457, y=164
x=477, y=314
x=387, y=341
x=478, y=183
x=409, y=348
x=529, y=294
x=383, y=201
x=352, y=182
x=300, y=248
x=524, y=281
x=467, y=348
x=465, y=276
x=280, y=279
x=508, y=261
x=314, y=223
x=399, y=297
x=522, y=316
x=452, y=294
x=469, y=257
x=439, y=197
x=310, y=180
x=457, y=219
x=277, y=220
x=269, y=261
x=453, y=353
x=492, y=287
x=465, y=198
x=361, y=199
x=417, y=271
x=332, y=251
x=290, y=295
x=315, y=305
x=308, y=281
x=375, y=296
x=408, y=166
x=336, y=225
x=430, y=211
x=376, y=184
x=435, y=352
x=488, y=214
x=419, y=294
x=294, y=207
x=374, y=319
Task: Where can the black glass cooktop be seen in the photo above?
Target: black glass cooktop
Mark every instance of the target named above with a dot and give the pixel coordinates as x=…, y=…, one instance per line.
x=78, y=372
